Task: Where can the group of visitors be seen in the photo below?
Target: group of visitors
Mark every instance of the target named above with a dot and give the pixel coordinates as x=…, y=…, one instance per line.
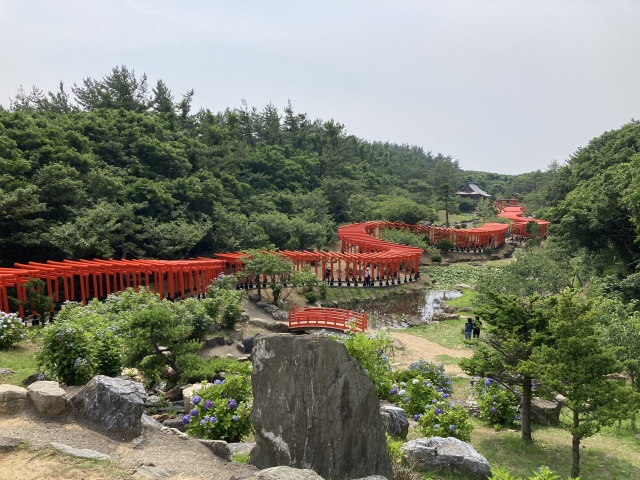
x=472, y=327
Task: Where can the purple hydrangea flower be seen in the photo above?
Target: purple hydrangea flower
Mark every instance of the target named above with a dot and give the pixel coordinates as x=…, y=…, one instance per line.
x=426, y=384
x=217, y=382
x=416, y=417
x=186, y=419
x=436, y=426
x=233, y=404
x=213, y=419
x=208, y=404
x=194, y=413
x=452, y=428
x=196, y=400
x=493, y=410
x=517, y=417
x=406, y=399
x=234, y=418
x=487, y=382
x=434, y=401
x=394, y=391
x=439, y=411
x=203, y=421
x=402, y=392
x=445, y=395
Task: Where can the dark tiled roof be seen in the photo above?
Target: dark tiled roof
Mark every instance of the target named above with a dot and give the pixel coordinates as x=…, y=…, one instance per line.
x=472, y=189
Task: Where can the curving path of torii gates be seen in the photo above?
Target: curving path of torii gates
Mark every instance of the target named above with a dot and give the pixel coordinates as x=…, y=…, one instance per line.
x=361, y=249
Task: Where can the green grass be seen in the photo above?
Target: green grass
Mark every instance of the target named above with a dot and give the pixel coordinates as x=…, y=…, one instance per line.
x=447, y=359
x=21, y=359
x=468, y=299
x=347, y=294
x=447, y=334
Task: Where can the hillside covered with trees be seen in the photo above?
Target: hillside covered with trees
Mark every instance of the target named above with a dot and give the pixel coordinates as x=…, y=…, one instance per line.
x=117, y=168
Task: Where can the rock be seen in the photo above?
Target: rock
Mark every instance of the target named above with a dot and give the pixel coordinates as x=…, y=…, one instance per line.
x=151, y=472
x=114, y=404
x=314, y=407
x=279, y=327
x=450, y=309
x=258, y=322
x=448, y=454
x=147, y=421
x=47, y=398
x=13, y=399
x=395, y=420
x=373, y=477
x=175, y=423
x=466, y=309
x=244, y=318
x=191, y=391
x=285, y=473
x=152, y=401
x=6, y=371
x=440, y=316
x=254, y=297
x=247, y=344
x=229, y=341
x=217, y=341
x=174, y=394
x=544, y=412
x=241, y=447
x=79, y=452
x=8, y=444
x=219, y=448
x=281, y=315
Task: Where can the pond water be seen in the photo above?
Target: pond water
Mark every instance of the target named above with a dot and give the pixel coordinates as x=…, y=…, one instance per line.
x=409, y=309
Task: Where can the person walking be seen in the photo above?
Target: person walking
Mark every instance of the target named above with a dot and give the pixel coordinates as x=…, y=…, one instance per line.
x=367, y=277
x=477, y=324
x=468, y=329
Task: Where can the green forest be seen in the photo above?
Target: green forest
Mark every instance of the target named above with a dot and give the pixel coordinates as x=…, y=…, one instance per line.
x=116, y=168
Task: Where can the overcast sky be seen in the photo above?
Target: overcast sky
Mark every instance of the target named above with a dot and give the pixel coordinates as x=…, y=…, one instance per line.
x=503, y=86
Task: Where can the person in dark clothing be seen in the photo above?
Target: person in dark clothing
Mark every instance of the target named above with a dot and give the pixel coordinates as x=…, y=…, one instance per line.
x=327, y=274
x=476, y=327
x=468, y=329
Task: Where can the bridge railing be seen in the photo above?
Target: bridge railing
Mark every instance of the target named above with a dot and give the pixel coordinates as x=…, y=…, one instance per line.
x=330, y=318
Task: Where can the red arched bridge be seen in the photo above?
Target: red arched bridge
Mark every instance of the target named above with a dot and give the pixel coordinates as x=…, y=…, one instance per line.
x=329, y=318
x=362, y=250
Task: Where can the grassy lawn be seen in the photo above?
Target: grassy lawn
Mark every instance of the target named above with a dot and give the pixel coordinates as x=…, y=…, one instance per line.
x=21, y=359
x=468, y=299
x=447, y=334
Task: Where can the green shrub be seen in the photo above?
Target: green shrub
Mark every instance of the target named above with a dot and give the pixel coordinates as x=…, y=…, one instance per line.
x=436, y=258
x=488, y=250
x=444, y=419
x=11, y=329
x=221, y=411
x=311, y=297
x=195, y=370
x=81, y=344
x=370, y=352
x=322, y=289
x=445, y=244
x=543, y=473
x=412, y=396
x=498, y=405
x=223, y=302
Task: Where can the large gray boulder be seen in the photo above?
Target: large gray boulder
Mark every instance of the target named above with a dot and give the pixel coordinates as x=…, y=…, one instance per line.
x=13, y=399
x=114, y=404
x=315, y=408
x=47, y=398
x=395, y=420
x=446, y=454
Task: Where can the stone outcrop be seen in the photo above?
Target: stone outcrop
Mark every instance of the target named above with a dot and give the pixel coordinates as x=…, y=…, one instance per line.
x=282, y=473
x=47, y=398
x=315, y=408
x=79, y=452
x=545, y=412
x=13, y=399
x=446, y=454
x=114, y=404
x=395, y=420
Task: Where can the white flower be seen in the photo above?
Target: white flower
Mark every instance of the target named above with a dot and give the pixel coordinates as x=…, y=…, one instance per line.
x=415, y=381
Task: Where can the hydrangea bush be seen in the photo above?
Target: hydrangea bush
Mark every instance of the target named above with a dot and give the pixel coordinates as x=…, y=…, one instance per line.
x=221, y=411
x=11, y=329
x=498, y=405
x=412, y=396
x=442, y=418
x=428, y=371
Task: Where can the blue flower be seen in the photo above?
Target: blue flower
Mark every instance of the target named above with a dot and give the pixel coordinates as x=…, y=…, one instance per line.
x=208, y=404
x=445, y=395
x=452, y=428
x=217, y=382
x=203, y=421
x=439, y=411
x=417, y=416
x=233, y=404
x=186, y=419
x=406, y=399
x=213, y=419
x=394, y=391
x=196, y=400
x=493, y=410
x=426, y=384
x=194, y=413
x=234, y=418
x=434, y=401
x=402, y=392
x=517, y=417
x=487, y=382
x=436, y=426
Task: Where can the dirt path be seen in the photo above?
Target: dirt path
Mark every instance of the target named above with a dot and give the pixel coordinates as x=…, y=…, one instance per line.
x=413, y=348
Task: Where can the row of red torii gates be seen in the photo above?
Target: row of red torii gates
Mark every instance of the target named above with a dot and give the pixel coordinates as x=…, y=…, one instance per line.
x=361, y=250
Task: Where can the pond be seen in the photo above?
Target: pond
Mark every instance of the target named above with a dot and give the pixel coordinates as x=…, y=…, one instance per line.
x=402, y=311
